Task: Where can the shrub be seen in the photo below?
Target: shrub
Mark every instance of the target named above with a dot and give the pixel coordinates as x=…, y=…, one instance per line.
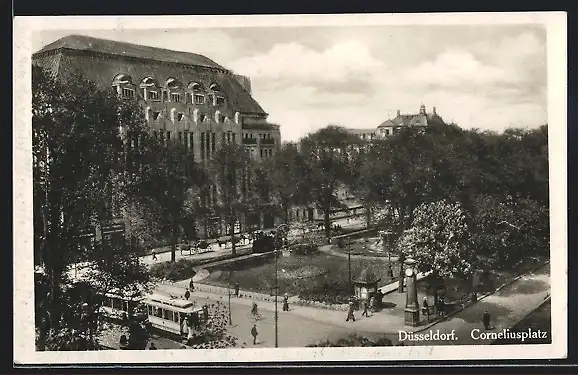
x=179, y=270
x=305, y=249
x=326, y=290
x=353, y=340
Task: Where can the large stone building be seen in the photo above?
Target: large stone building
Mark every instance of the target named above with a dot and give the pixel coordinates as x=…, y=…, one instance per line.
x=390, y=127
x=185, y=96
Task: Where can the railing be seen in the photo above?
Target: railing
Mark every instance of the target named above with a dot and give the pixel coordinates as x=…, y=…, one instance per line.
x=268, y=141
x=249, y=141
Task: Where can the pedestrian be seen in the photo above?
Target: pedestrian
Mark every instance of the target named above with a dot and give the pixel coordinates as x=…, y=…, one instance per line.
x=286, y=302
x=219, y=243
x=154, y=254
x=425, y=305
x=350, y=313
x=152, y=347
x=486, y=320
x=237, y=289
x=205, y=312
x=390, y=272
x=364, y=313
x=254, y=333
x=254, y=310
x=373, y=304
x=191, y=285
x=187, y=294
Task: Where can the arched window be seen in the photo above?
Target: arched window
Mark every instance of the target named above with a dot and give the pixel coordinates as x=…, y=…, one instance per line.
x=196, y=115
x=174, y=90
x=147, y=113
x=150, y=89
x=218, y=117
x=196, y=93
x=237, y=118
x=218, y=97
x=123, y=85
x=173, y=114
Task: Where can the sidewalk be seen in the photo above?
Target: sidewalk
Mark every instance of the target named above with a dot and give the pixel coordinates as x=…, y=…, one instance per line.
x=507, y=307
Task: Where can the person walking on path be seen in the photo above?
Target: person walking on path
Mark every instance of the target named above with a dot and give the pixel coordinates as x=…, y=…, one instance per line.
x=254, y=333
x=286, y=302
x=205, y=312
x=191, y=285
x=350, y=313
x=364, y=313
x=154, y=254
x=237, y=289
x=187, y=294
x=486, y=320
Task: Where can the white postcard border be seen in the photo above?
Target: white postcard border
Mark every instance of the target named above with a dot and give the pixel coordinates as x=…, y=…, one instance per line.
x=24, y=353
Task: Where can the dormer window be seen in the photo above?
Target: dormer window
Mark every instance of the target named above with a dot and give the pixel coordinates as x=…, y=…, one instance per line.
x=127, y=93
x=176, y=97
x=153, y=95
x=123, y=86
x=199, y=98
x=220, y=101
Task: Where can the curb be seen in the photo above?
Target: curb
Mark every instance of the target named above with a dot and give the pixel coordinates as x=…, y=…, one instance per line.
x=547, y=299
x=509, y=282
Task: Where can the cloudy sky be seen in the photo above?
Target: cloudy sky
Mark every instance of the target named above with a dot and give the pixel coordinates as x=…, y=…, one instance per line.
x=489, y=77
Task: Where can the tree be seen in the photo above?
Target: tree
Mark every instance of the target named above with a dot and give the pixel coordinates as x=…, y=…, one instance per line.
x=508, y=231
x=79, y=154
x=167, y=183
x=285, y=173
x=228, y=167
x=328, y=153
x=439, y=241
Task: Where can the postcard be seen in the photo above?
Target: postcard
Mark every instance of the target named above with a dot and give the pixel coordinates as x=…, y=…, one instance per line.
x=290, y=188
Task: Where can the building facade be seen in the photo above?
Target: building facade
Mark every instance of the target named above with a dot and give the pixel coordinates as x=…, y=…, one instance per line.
x=390, y=127
x=184, y=96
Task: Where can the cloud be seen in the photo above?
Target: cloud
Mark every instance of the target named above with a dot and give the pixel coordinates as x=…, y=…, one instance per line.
x=455, y=68
x=294, y=61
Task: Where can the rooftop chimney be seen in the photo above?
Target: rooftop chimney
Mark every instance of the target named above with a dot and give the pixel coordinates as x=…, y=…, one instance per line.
x=244, y=81
x=398, y=113
x=422, y=110
x=434, y=110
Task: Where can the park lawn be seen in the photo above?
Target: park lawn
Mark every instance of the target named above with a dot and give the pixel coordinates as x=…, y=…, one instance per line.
x=360, y=248
x=317, y=276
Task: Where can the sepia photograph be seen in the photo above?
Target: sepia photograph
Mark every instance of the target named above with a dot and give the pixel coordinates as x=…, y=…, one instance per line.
x=290, y=188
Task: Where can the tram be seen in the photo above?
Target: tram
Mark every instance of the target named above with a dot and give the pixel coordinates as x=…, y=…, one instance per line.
x=118, y=305
x=173, y=315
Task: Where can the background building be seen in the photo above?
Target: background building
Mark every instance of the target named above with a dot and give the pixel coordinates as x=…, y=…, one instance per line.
x=184, y=96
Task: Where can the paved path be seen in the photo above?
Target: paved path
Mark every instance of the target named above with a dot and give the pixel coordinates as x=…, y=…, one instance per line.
x=508, y=306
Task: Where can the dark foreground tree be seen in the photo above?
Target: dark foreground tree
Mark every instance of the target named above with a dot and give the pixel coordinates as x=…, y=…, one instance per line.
x=79, y=156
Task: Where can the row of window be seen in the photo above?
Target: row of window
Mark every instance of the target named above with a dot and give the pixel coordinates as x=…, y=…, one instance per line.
x=171, y=97
x=261, y=136
x=264, y=152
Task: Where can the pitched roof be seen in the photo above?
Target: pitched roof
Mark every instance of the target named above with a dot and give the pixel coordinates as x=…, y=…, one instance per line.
x=103, y=68
x=411, y=120
x=112, y=47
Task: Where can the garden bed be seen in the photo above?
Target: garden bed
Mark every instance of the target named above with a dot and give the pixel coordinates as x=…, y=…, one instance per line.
x=312, y=276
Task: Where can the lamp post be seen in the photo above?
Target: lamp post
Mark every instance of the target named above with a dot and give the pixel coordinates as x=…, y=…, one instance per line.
x=230, y=317
x=277, y=285
x=349, y=264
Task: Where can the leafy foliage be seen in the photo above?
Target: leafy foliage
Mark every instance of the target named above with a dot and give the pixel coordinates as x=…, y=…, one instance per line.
x=353, y=340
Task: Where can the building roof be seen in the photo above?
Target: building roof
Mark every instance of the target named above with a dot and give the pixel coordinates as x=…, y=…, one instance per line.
x=112, y=47
x=105, y=60
x=413, y=119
